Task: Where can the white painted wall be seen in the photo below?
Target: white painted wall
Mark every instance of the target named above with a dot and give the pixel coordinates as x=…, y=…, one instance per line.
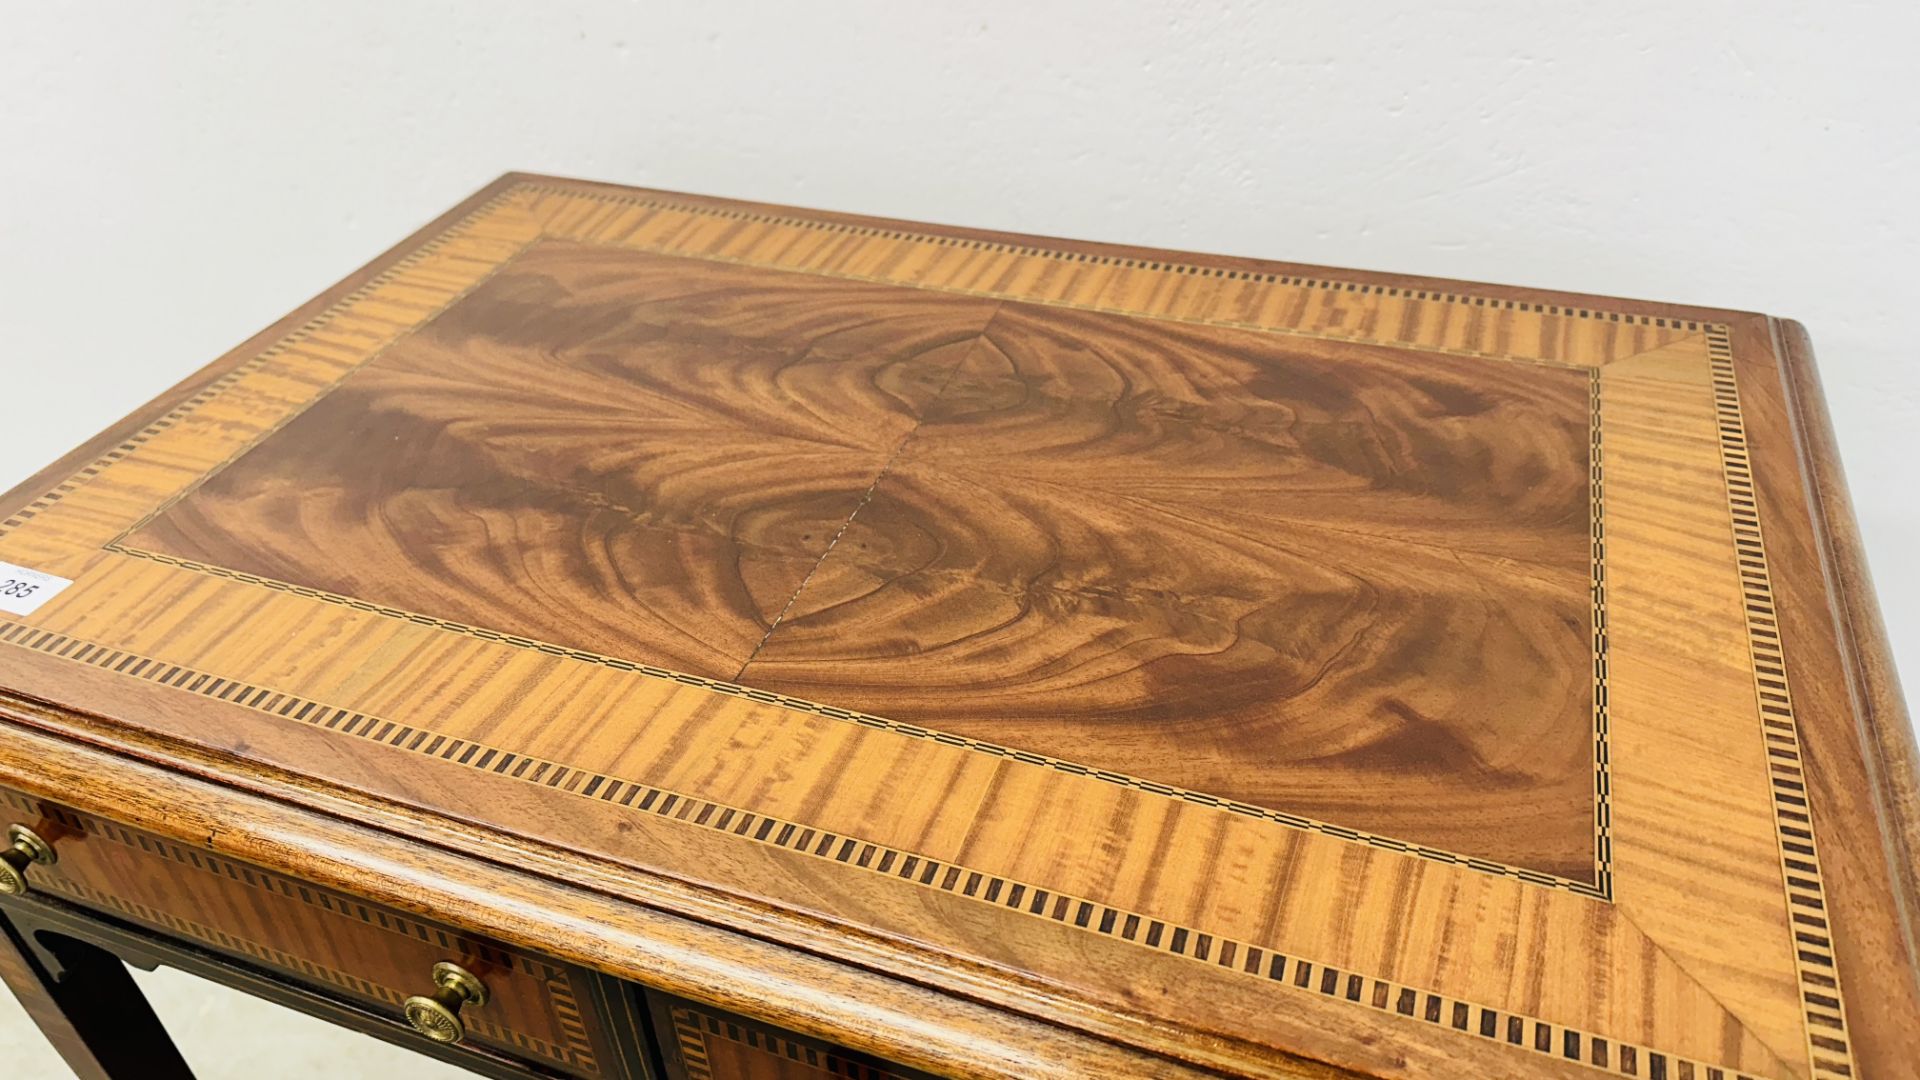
x=172, y=177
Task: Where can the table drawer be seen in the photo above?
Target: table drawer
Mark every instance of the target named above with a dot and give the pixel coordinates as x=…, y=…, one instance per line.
x=700, y=1042
x=534, y=1009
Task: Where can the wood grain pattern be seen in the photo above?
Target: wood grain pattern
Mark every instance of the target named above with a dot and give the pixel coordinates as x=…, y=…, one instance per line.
x=699, y=1045
x=1206, y=558
x=1369, y=672
x=67, y=929
x=660, y=457
x=1321, y=578
x=311, y=935
x=558, y=903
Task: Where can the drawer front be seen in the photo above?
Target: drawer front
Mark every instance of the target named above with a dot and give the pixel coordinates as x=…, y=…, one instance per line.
x=318, y=937
x=703, y=1043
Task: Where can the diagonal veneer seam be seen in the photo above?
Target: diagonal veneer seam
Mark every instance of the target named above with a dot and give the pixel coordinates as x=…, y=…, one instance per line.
x=867, y=495
x=1781, y=1061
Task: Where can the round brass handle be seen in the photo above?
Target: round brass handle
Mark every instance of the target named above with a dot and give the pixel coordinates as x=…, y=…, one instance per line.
x=25, y=849
x=437, y=1015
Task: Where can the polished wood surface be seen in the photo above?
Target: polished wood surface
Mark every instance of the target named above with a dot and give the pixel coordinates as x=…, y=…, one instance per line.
x=1327, y=579
x=311, y=935
x=1254, y=666
x=664, y=933
x=60, y=929
x=701, y=1043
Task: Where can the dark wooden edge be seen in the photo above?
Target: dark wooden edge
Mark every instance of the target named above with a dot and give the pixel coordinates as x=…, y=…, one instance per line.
x=1892, y=761
x=42, y=915
x=48, y=754
x=1488, y=290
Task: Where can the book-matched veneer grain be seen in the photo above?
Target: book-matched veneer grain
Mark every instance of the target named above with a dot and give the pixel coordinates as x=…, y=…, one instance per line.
x=1006, y=656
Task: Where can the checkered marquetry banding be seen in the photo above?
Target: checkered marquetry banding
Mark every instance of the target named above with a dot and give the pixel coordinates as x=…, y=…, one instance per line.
x=1602, y=779
x=1599, y=888
x=1157, y=265
x=693, y=1032
x=557, y=986
x=1194, y=944
x=1485, y=866
x=692, y=1044
x=1814, y=959
x=1827, y=1046
x=228, y=380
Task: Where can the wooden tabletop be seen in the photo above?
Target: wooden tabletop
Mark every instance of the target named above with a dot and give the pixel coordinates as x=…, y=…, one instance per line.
x=1271, y=669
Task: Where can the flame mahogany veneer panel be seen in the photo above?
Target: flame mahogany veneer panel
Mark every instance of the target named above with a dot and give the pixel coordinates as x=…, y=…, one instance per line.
x=1276, y=572
x=1271, y=669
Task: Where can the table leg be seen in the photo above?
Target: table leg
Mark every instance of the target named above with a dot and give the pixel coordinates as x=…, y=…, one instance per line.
x=87, y=1005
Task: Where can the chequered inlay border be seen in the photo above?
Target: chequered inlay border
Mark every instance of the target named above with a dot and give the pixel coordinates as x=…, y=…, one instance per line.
x=1084, y=259
x=1003, y=247
x=1600, y=888
x=1827, y=1047
x=691, y=1031
x=267, y=954
x=225, y=382
x=557, y=985
x=1602, y=849
x=1597, y=536
x=1622, y=1058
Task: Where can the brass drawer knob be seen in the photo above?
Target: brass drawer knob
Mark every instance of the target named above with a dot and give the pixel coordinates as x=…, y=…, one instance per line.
x=437, y=1015
x=25, y=849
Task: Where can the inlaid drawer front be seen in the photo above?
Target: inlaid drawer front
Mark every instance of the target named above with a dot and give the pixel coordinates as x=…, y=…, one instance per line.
x=707, y=1044
x=531, y=1009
